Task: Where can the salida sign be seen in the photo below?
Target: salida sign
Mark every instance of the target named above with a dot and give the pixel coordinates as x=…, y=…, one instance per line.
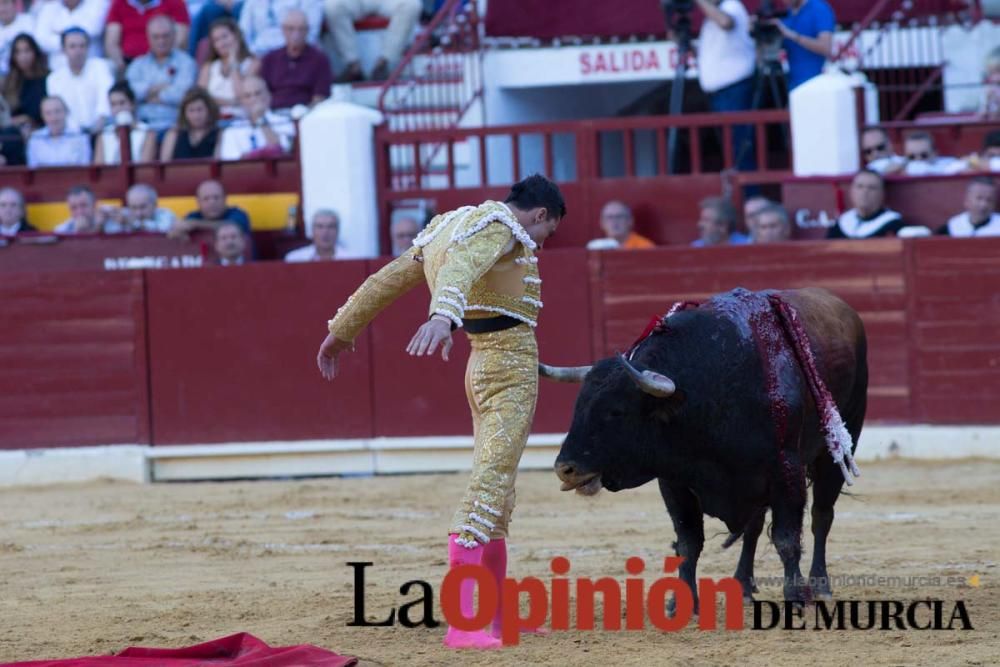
x=619, y=61
x=641, y=605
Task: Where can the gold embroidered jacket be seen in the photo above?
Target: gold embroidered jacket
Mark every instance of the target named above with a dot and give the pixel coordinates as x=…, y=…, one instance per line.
x=477, y=261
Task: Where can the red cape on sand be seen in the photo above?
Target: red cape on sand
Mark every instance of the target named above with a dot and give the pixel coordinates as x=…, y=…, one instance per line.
x=239, y=650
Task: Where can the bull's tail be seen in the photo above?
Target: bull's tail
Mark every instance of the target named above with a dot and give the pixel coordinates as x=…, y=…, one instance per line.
x=838, y=440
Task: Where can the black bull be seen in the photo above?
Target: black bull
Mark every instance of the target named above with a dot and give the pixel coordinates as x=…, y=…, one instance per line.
x=723, y=407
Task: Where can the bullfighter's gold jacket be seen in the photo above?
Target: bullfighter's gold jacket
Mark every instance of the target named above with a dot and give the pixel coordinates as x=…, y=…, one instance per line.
x=477, y=261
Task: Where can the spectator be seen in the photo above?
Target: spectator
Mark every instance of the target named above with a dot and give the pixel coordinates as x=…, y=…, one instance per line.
x=262, y=133
x=82, y=82
x=161, y=77
x=260, y=21
x=922, y=158
x=751, y=207
x=142, y=140
x=878, y=153
x=11, y=139
x=727, y=64
x=197, y=131
x=229, y=65
x=12, y=220
x=12, y=24
x=340, y=17
x=402, y=231
x=717, y=224
x=869, y=218
x=57, y=16
x=125, y=33
x=141, y=214
x=84, y=215
x=299, y=73
x=210, y=12
x=618, y=226
x=980, y=217
x=230, y=244
x=325, y=231
x=212, y=212
x=24, y=88
x=989, y=108
x=771, y=225
x=808, y=31
x=59, y=143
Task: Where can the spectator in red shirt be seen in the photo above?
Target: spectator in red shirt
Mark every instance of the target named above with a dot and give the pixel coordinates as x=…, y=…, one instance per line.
x=125, y=33
x=299, y=73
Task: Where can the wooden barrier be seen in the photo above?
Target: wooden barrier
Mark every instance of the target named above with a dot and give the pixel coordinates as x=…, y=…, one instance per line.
x=228, y=354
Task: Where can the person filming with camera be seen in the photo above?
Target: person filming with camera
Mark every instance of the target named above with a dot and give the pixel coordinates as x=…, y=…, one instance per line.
x=727, y=65
x=808, y=32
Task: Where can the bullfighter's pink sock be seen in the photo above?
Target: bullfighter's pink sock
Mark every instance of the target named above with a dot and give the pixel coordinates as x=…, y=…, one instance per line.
x=455, y=638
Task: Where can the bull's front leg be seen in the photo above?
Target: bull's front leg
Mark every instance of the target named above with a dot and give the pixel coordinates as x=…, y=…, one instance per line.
x=689, y=525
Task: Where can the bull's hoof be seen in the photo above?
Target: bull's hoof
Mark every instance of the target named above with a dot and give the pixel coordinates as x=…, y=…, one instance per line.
x=672, y=607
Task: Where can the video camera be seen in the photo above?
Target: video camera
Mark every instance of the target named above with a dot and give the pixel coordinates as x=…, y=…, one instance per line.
x=767, y=36
x=678, y=15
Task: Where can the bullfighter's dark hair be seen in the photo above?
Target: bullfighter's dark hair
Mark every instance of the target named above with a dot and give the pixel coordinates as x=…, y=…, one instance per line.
x=537, y=191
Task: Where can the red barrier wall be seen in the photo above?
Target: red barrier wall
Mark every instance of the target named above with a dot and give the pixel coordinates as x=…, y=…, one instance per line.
x=954, y=305
x=232, y=354
x=73, y=359
x=228, y=354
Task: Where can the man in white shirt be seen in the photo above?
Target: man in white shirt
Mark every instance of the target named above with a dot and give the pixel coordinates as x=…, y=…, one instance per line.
x=980, y=217
x=83, y=83
x=60, y=143
x=869, y=218
x=727, y=62
x=57, y=16
x=12, y=24
x=262, y=132
x=325, y=231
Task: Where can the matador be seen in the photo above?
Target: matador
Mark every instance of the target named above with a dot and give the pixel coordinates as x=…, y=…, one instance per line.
x=480, y=266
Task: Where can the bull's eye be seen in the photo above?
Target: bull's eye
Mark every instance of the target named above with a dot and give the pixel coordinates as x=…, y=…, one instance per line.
x=616, y=413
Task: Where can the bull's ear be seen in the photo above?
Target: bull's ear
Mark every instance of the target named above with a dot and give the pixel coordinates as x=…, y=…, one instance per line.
x=667, y=409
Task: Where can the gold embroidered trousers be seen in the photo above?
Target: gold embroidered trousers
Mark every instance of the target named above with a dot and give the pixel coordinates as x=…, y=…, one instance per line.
x=501, y=382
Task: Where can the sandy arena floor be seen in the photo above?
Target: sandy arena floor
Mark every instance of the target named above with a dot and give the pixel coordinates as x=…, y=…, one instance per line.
x=92, y=569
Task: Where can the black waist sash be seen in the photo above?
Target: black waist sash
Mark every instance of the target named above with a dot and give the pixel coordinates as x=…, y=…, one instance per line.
x=490, y=324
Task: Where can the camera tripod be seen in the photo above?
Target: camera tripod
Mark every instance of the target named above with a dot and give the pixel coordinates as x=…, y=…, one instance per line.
x=770, y=77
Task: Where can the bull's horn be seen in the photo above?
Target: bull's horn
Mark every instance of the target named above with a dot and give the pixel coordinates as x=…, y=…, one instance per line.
x=652, y=383
x=563, y=373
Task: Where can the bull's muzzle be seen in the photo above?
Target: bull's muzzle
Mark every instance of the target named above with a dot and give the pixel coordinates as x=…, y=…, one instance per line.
x=585, y=483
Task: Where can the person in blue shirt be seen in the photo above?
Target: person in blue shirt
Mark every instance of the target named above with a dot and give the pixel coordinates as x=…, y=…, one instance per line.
x=808, y=31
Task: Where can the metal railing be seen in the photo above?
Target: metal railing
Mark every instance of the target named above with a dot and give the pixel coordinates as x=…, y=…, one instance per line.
x=439, y=78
